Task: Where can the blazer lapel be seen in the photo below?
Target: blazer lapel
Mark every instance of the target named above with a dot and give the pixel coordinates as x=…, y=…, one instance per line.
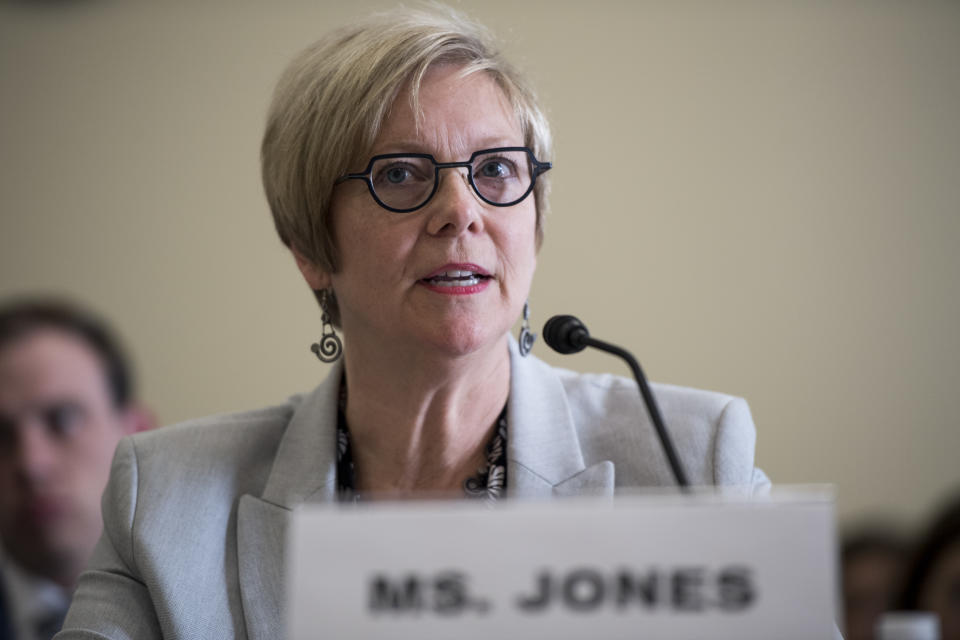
x=261, y=531
x=544, y=458
x=304, y=470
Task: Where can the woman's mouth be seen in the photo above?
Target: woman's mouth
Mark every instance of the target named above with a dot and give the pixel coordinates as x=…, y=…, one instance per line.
x=456, y=278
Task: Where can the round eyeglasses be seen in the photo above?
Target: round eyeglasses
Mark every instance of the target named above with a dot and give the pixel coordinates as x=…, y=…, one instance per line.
x=404, y=182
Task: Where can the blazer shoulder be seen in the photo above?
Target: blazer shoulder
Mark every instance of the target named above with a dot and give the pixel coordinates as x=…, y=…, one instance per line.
x=604, y=398
x=213, y=460
x=712, y=432
x=228, y=430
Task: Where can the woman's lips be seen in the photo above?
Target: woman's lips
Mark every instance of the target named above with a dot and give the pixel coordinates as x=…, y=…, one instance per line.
x=456, y=268
x=457, y=279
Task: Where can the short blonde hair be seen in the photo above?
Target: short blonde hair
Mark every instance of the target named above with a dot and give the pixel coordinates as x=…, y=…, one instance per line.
x=330, y=102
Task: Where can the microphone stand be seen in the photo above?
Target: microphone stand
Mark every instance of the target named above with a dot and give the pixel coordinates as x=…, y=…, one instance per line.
x=566, y=334
x=649, y=401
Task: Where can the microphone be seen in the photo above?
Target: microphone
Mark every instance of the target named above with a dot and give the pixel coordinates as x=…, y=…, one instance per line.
x=566, y=334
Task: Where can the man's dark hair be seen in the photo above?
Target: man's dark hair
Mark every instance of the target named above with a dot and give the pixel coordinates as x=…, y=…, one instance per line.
x=878, y=537
x=21, y=317
x=941, y=534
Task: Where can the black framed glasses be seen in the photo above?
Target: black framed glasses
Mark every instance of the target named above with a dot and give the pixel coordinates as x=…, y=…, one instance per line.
x=404, y=182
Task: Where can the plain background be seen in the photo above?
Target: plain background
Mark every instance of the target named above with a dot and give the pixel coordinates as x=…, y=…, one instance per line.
x=755, y=197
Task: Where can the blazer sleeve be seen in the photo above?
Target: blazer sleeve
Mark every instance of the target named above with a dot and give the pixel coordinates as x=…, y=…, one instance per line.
x=734, y=449
x=111, y=600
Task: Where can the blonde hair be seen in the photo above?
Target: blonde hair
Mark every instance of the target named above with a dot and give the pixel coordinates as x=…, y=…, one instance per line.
x=331, y=100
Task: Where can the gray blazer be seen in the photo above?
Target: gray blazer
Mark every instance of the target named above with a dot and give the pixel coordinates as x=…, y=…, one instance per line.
x=195, y=515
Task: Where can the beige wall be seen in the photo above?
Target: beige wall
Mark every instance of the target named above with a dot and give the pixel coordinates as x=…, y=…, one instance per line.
x=760, y=198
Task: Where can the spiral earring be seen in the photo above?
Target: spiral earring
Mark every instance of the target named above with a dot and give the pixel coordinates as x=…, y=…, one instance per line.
x=527, y=337
x=330, y=347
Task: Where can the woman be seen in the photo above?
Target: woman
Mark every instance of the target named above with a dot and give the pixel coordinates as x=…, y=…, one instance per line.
x=404, y=162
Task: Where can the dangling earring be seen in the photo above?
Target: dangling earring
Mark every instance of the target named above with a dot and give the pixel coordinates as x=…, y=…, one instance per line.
x=329, y=348
x=527, y=337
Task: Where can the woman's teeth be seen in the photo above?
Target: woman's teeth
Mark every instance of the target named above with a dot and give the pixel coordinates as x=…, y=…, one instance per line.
x=456, y=278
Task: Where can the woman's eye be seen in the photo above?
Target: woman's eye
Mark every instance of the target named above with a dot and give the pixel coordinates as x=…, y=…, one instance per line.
x=496, y=169
x=397, y=175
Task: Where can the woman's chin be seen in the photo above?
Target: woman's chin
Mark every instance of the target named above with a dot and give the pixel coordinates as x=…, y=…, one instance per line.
x=459, y=341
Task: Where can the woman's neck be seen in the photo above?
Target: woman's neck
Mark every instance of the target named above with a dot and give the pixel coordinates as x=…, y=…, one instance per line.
x=420, y=423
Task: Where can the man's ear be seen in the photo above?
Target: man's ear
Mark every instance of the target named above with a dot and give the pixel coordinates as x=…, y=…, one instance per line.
x=316, y=277
x=137, y=418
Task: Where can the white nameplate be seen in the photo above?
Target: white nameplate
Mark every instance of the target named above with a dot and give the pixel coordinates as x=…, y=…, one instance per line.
x=654, y=566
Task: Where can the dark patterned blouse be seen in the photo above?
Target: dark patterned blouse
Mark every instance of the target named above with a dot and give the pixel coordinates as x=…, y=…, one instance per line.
x=489, y=483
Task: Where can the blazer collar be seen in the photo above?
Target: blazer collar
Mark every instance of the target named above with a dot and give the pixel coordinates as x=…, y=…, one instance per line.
x=544, y=457
x=304, y=470
x=305, y=466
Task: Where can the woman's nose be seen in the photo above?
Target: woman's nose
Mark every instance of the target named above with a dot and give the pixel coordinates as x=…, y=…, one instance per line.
x=455, y=207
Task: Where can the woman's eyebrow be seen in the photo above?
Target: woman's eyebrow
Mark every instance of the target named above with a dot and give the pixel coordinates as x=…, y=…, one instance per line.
x=419, y=146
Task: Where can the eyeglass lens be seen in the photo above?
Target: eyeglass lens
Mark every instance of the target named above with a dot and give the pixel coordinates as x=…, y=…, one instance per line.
x=501, y=177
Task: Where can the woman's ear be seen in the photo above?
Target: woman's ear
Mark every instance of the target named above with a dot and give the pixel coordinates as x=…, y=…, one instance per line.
x=316, y=277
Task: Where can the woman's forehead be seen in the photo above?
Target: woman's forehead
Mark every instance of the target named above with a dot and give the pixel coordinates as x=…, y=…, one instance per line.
x=453, y=115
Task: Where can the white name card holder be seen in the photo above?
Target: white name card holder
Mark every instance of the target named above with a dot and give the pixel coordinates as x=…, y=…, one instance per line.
x=640, y=566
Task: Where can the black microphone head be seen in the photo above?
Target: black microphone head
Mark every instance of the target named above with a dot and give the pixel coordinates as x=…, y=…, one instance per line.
x=565, y=334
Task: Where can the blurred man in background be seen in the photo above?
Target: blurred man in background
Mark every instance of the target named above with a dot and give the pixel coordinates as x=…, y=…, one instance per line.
x=872, y=563
x=931, y=581
x=66, y=399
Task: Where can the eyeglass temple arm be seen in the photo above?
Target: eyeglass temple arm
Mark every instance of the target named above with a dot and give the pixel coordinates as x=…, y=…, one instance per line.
x=541, y=167
x=351, y=176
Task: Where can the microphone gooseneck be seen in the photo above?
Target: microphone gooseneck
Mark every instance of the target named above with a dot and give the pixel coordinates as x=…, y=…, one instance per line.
x=566, y=334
